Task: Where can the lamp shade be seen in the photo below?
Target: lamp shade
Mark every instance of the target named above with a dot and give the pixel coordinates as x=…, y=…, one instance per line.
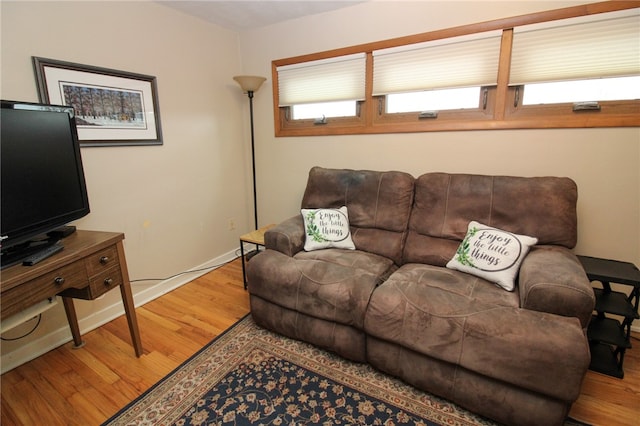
x=249, y=83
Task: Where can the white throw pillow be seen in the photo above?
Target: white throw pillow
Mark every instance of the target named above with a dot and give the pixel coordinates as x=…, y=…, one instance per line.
x=326, y=228
x=492, y=254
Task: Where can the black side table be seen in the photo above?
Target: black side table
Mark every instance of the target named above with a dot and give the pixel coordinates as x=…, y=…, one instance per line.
x=609, y=338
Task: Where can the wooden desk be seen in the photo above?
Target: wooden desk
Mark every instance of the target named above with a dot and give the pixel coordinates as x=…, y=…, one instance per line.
x=91, y=264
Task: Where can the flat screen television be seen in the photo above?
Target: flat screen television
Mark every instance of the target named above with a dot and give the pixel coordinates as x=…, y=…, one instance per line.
x=42, y=186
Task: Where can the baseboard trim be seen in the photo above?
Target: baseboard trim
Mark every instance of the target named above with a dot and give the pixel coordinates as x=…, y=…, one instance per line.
x=62, y=335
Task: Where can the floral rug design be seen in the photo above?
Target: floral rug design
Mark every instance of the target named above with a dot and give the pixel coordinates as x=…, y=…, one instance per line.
x=270, y=390
x=250, y=376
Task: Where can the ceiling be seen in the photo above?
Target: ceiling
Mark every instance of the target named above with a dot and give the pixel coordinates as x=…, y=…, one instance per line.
x=246, y=14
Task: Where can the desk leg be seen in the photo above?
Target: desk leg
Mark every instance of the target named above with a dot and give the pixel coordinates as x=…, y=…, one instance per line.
x=130, y=310
x=127, y=300
x=72, y=318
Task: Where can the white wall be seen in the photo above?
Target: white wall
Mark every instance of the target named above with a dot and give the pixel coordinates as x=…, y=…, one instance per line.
x=174, y=201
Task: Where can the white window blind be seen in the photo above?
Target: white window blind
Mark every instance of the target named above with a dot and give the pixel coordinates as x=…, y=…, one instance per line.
x=335, y=79
x=455, y=62
x=607, y=45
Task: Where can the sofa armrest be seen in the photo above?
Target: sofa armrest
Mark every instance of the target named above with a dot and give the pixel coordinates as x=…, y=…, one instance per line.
x=287, y=237
x=553, y=280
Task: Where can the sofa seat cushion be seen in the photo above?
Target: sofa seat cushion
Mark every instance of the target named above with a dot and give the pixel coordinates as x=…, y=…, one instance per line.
x=357, y=259
x=318, y=288
x=469, y=322
x=416, y=278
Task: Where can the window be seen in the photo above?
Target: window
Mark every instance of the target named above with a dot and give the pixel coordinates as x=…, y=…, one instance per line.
x=310, y=92
x=601, y=89
x=433, y=100
x=437, y=75
x=576, y=65
x=324, y=110
x=572, y=67
x=605, y=45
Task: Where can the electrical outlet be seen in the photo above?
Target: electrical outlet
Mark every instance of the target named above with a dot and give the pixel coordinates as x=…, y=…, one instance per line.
x=232, y=225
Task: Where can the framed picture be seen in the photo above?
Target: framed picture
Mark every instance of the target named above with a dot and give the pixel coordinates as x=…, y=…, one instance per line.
x=112, y=107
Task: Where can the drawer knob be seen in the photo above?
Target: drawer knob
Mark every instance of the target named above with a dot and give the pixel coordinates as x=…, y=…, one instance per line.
x=108, y=281
x=58, y=280
x=104, y=260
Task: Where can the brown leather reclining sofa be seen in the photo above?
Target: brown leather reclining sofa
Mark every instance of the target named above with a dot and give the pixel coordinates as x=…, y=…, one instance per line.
x=518, y=357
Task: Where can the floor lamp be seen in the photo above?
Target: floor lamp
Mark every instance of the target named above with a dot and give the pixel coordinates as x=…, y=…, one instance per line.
x=250, y=84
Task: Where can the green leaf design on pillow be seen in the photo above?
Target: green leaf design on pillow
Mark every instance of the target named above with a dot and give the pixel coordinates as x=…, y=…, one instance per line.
x=463, y=249
x=312, y=228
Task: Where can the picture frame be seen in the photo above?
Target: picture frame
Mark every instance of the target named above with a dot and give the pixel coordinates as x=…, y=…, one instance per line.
x=112, y=107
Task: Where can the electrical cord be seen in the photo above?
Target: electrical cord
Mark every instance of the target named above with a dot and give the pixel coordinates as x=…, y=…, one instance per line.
x=208, y=268
x=10, y=339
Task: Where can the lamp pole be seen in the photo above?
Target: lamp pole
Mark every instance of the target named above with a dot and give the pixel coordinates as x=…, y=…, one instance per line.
x=249, y=85
x=253, y=161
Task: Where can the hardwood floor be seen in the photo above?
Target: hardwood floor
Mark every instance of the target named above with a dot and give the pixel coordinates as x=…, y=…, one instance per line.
x=86, y=386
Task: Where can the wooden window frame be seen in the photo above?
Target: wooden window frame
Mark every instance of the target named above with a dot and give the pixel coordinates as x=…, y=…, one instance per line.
x=501, y=111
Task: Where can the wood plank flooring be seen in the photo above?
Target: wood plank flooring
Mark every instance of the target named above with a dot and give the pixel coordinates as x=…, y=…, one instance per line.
x=86, y=386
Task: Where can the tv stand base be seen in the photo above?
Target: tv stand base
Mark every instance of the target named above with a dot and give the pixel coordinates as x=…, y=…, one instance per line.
x=62, y=232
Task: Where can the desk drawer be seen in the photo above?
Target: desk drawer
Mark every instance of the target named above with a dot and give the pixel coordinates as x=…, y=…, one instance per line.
x=98, y=285
x=105, y=281
x=102, y=260
x=41, y=288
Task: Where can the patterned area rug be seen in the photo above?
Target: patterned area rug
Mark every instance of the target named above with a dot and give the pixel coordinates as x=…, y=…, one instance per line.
x=250, y=376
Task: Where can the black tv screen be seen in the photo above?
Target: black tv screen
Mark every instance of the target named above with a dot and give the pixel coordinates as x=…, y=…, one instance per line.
x=42, y=178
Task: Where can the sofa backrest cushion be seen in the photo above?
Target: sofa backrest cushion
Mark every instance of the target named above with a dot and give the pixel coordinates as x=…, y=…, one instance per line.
x=444, y=204
x=379, y=205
